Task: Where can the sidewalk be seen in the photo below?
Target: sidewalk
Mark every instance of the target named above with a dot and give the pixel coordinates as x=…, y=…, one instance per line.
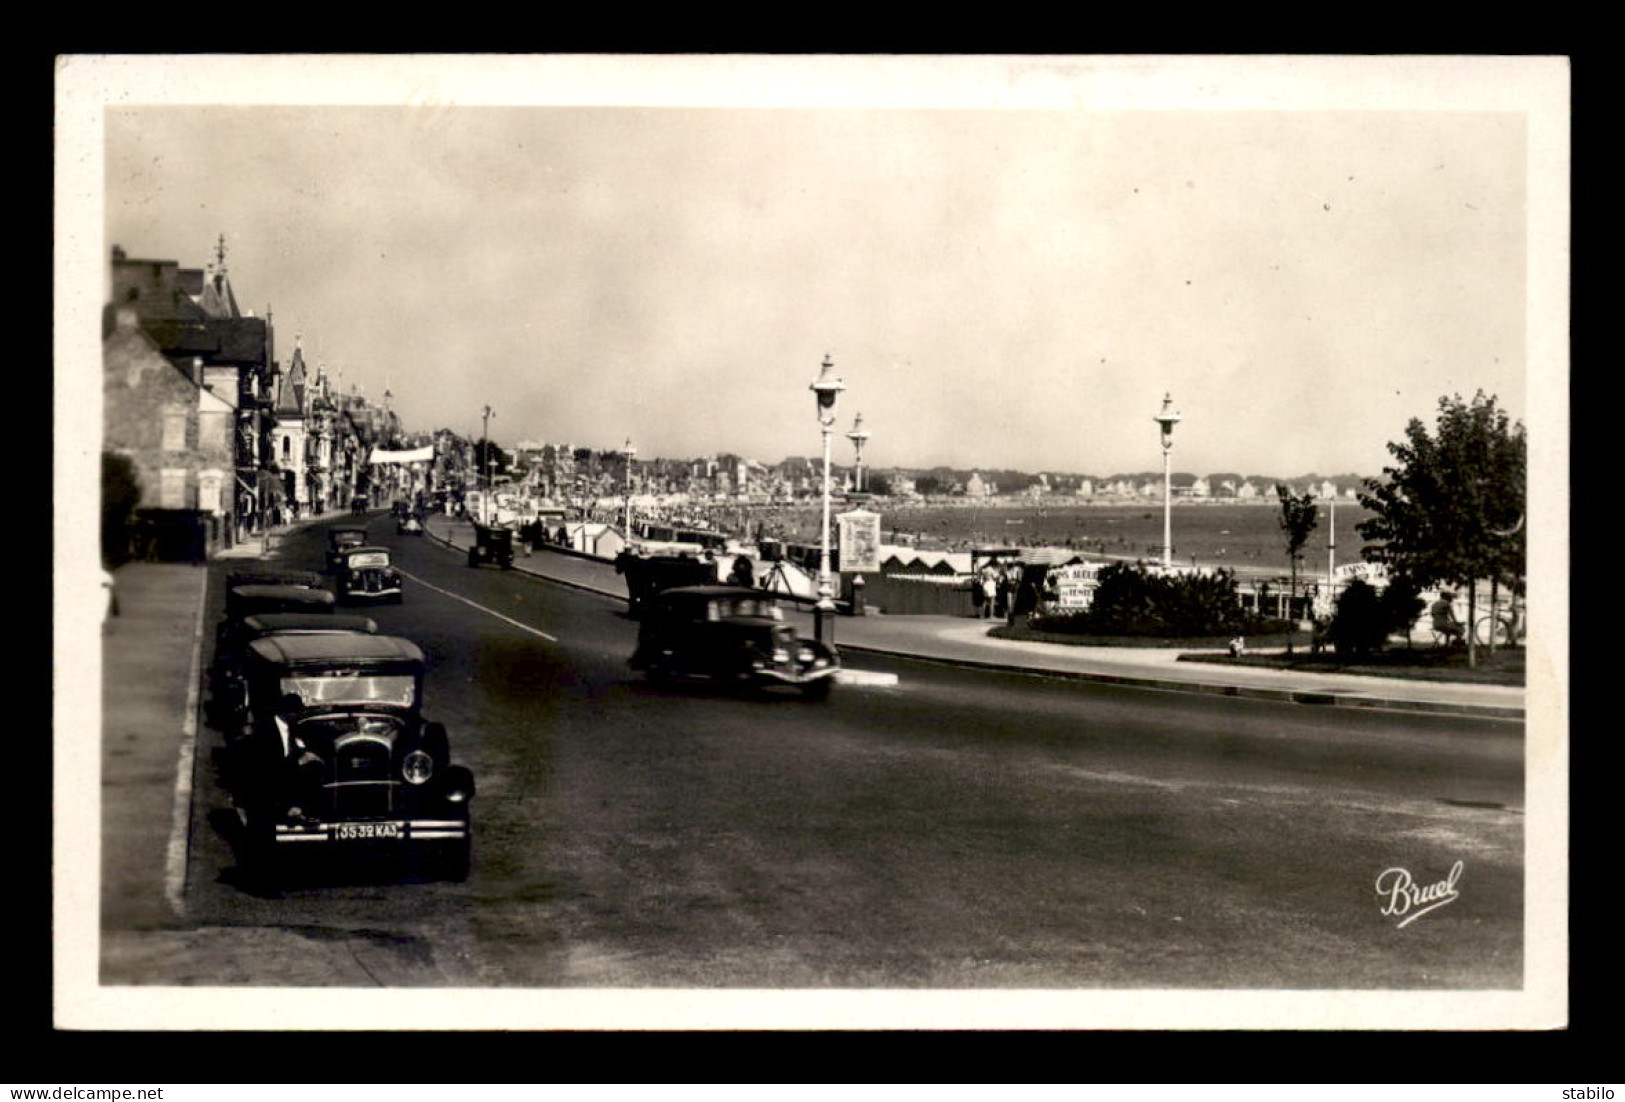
x=963, y=641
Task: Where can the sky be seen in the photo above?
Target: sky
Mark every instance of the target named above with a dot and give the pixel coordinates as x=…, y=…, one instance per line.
x=997, y=286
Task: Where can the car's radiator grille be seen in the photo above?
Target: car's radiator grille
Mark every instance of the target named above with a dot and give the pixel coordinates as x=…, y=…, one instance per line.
x=362, y=778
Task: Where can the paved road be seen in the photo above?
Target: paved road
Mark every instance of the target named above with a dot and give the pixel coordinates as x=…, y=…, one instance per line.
x=960, y=829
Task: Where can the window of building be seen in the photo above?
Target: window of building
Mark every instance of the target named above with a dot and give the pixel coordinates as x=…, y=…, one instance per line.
x=209, y=485
x=214, y=432
x=172, y=488
x=174, y=430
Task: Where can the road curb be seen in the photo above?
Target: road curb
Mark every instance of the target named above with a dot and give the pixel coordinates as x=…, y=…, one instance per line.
x=1308, y=697
x=1311, y=697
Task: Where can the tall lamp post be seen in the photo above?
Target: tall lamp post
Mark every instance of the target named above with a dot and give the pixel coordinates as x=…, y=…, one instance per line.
x=1167, y=419
x=1331, y=547
x=826, y=387
x=485, y=498
x=630, y=453
x=858, y=438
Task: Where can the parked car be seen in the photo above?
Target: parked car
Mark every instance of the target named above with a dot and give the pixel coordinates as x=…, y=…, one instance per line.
x=408, y=525
x=340, y=540
x=226, y=707
x=305, y=579
x=365, y=574
x=339, y=759
x=243, y=601
x=730, y=635
x=492, y=545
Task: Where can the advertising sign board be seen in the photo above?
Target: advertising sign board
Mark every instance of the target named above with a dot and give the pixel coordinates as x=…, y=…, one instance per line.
x=1075, y=585
x=860, y=542
x=1372, y=573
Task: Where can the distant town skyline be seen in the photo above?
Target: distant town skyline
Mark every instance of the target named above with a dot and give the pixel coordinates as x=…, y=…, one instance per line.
x=1004, y=289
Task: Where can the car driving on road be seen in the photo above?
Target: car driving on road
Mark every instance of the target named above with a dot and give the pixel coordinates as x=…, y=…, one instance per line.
x=365, y=574
x=731, y=635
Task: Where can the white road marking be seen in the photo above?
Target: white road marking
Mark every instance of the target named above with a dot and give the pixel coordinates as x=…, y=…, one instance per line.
x=480, y=607
x=180, y=825
x=865, y=677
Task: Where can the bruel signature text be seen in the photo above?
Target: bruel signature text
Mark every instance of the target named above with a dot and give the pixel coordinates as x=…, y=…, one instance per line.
x=1405, y=899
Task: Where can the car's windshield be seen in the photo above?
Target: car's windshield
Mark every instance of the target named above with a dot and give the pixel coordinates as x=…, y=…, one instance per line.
x=377, y=689
x=743, y=606
x=369, y=558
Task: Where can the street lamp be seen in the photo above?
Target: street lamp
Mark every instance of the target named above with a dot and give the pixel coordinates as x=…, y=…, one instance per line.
x=858, y=437
x=630, y=452
x=485, y=501
x=826, y=387
x=1167, y=419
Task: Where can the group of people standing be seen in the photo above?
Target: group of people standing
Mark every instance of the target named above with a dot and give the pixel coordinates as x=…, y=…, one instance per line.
x=995, y=591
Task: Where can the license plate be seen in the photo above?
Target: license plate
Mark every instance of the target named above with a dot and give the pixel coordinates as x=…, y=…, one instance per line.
x=352, y=831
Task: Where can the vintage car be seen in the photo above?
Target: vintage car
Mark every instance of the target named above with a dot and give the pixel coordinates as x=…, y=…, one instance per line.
x=305, y=579
x=335, y=756
x=492, y=545
x=227, y=703
x=364, y=574
x=647, y=576
x=731, y=635
x=408, y=525
x=253, y=600
x=340, y=540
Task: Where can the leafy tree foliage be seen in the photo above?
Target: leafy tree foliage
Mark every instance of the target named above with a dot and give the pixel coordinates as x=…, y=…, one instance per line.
x=1360, y=624
x=121, y=492
x=500, y=460
x=1133, y=601
x=1451, y=509
x=1299, y=516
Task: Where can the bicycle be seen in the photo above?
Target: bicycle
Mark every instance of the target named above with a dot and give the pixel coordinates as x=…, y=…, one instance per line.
x=1501, y=628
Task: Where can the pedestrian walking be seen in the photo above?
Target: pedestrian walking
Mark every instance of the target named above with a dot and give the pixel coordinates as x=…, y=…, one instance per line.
x=990, y=594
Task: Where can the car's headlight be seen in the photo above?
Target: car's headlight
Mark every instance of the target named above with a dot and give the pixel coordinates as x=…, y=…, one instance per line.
x=417, y=767
x=805, y=654
x=780, y=654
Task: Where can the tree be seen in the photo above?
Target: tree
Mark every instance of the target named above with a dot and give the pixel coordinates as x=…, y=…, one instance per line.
x=1360, y=624
x=121, y=493
x=500, y=460
x=1451, y=509
x=1299, y=515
